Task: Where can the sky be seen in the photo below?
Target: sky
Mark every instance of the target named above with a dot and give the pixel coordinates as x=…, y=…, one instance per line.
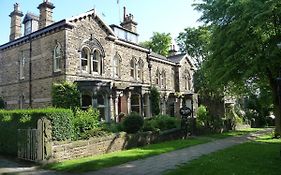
x=169, y=16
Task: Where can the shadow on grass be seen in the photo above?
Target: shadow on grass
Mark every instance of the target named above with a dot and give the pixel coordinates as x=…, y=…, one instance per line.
x=117, y=158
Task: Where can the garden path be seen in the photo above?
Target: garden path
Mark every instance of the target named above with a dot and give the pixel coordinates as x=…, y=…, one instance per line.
x=155, y=165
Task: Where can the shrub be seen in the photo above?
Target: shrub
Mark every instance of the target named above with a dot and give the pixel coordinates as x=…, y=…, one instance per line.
x=133, y=123
x=203, y=118
x=65, y=95
x=12, y=120
x=85, y=121
x=155, y=101
x=161, y=122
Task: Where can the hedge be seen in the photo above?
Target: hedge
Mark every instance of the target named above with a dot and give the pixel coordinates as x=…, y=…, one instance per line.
x=11, y=120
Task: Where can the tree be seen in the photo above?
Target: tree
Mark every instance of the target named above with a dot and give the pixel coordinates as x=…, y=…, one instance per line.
x=155, y=101
x=243, y=45
x=65, y=95
x=195, y=42
x=159, y=43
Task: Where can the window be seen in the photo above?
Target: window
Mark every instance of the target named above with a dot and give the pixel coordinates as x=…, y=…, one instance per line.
x=22, y=63
x=157, y=80
x=133, y=68
x=85, y=57
x=140, y=70
x=28, y=27
x=172, y=78
x=97, y=62
x=187, y=85
x=116, y=65
x=21, y=102
x=101, y=106
x=163, y=79
x=57, y=57
x=146, y=104
x=135, y=103
x=86, y=101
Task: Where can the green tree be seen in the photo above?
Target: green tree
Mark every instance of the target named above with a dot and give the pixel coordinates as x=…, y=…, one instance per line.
x=195, y=42
x=159, y=43
x=243, y=46
x=155, y=101
x=65, y=95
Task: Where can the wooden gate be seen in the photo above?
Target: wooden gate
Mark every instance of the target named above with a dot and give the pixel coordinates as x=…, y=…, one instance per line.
x=31, y=143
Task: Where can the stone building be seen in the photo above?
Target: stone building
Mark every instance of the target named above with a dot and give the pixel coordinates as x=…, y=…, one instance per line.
x=113, y=73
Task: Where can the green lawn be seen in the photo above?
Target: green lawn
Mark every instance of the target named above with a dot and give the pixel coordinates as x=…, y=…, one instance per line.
x=258, y=157
x=120, y=157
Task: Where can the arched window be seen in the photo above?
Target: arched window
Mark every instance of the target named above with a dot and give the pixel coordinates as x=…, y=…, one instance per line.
x=133, y=68
x=116, y=65
x=157, y=80
x=85, y=59
x=163, y=79
x=187, y=78
x=97, y=62
x=57, y=57
x=140, y=69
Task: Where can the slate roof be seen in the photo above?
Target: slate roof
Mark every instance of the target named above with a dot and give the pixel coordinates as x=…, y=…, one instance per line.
x=30, y=16
x=156, y=55
x=177, y=58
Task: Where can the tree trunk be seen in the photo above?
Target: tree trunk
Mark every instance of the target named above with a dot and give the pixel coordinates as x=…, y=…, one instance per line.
x=276, y=105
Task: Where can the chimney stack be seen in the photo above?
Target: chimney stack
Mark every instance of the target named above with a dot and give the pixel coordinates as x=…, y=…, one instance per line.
x=128, y=22
x=15, y=22
x=46, y=11
x=172, y=51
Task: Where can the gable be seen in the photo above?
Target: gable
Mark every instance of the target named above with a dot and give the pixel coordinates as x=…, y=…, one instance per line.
x=92, y=22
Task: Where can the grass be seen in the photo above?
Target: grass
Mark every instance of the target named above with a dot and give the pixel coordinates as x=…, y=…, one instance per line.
x=233, y=133
x=258, y=157
x=116, y=158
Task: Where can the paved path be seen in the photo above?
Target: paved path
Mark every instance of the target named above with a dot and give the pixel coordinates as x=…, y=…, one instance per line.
x=155, y=165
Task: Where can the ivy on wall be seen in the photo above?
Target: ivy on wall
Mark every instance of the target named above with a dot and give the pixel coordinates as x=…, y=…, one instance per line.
x=65, y=95
x=155, y=101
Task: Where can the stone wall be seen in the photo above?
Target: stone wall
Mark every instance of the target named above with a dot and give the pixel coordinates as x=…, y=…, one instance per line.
x=13, y=86
x=116, y=142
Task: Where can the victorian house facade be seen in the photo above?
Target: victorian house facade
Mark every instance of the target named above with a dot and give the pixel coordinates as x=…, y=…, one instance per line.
x=113, y=73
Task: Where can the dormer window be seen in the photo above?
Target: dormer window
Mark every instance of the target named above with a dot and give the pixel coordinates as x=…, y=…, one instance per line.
x=30, y=22
x=27, y=28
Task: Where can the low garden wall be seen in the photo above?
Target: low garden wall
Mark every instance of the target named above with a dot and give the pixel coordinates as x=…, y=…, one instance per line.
x=115, y=142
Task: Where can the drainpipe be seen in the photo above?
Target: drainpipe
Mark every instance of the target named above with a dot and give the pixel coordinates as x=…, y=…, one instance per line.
x=30, y=70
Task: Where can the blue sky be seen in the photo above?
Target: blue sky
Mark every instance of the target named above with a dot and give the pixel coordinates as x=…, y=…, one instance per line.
x=169, y=16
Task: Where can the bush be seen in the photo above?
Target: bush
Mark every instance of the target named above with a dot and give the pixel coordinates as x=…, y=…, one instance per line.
x=85, y=121
x=65, y=95
x=133, y=123
x=12, y=120
x=203, y=118
x=161, y=123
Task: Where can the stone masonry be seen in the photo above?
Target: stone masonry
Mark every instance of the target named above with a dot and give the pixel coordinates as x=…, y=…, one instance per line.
x=29, y=67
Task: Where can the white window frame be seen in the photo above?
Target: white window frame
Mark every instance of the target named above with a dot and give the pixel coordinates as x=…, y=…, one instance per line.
x=57, y=58
x=116, y=66
x=140, y=70
x=88, y=53
x=133, y=68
